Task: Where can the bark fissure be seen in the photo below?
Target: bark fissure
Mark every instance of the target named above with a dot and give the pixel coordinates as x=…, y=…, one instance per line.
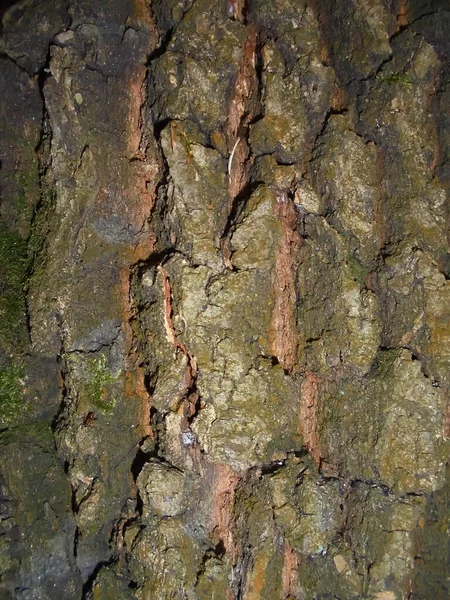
x=235, y=378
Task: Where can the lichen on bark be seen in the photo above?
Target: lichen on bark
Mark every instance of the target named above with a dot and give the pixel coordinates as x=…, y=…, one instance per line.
x=225, y=300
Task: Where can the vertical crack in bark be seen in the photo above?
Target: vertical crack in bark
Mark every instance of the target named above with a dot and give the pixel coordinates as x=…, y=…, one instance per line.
x=190, y=396
x=244, y=107
x=210, y=523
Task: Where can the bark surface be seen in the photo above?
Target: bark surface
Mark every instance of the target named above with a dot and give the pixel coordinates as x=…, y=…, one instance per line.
x=225, y=300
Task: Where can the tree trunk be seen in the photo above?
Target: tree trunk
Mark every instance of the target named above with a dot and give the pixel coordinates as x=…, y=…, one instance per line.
x=225, y=338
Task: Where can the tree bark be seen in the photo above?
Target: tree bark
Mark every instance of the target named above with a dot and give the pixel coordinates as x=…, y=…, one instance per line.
x=225, y=299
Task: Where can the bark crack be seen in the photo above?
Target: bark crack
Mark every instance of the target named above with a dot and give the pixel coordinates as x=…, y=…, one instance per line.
x=191, y=397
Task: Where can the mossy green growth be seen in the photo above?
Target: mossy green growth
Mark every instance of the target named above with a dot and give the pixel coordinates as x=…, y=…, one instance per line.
x=109, y=585
x=13, y=270
x=11, y=393
x=356, y=270
x=6, y=560
x=95, y=377
x=101, y=377
x=394, y=77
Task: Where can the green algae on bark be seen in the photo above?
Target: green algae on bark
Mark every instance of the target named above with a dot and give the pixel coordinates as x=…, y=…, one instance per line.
x=13, y=271
x=12, y=401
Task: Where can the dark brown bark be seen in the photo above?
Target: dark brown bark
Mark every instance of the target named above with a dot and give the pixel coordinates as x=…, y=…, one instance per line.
x=224, y=277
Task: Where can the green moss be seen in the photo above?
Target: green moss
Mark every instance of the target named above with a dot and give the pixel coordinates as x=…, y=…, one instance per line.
x=13, y=270
x=356, y=270
x=95, y=378
x=11, y=393
x=109, y=585
x=6, y=562
x=394, y=77
x=101, y=377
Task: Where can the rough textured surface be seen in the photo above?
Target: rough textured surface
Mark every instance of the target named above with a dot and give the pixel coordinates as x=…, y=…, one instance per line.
x=225, y=300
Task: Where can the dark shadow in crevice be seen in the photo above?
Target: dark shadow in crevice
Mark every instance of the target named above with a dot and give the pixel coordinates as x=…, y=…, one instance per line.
x=272, y=467
x=140, y=460
x=159, y=126
x=88, y=585
x=162, y=48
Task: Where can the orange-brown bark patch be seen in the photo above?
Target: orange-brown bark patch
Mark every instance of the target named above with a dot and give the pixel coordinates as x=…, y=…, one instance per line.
x=258, y=577
x=225, y=482
x=133, y=377
x=144, y=166
x=236, y=9
x=283, y=332
x=289, y=573
x=144, y=248
x=309, y=417
x=243, y=106
x=135, y=387
x=338, y=99
x=134, y=124
x=141, y=16
x=245, y=99
x=402, y=13
x=134, y=204
x=190, y=400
